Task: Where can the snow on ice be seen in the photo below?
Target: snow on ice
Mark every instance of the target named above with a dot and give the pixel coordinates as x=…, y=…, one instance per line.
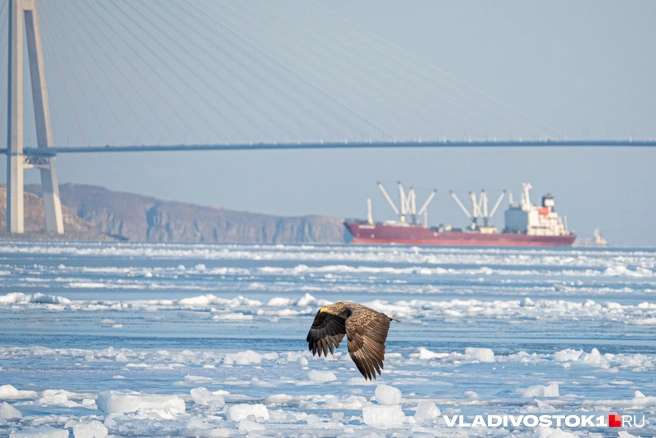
x=321, y=376
x=114, y=402
x=480, y=354
x=40, y=432
x=8, y=392
x=243, y=411
x=242, y=358
x=541, y=391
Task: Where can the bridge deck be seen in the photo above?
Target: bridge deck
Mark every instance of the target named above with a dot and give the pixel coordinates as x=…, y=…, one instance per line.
x=33, y=151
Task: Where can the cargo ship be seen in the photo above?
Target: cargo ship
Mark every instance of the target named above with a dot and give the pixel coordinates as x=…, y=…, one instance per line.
x=525, y=224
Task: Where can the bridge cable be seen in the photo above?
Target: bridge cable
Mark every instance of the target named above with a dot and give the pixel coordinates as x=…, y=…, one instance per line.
x=50, y=39
x=247, y=117
x=191, y=28
x=56, y=41
x=350, y=26
x=200, y=95
x=293, y=85
x=287, y=96
x=79, y=58
x=104, y=72
x=91, y=77
x=388, y=62
x=376, y=92
x=137, y=72
x=306, y=81
x=251, y=71
x=418, y=60
x=135, y=89
x=198, y=114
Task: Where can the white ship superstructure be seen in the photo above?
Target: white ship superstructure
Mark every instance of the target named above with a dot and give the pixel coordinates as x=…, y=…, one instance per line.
x=534, y=220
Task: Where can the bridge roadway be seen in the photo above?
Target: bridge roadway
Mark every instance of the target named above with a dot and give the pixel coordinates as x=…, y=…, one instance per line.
x=51, y=151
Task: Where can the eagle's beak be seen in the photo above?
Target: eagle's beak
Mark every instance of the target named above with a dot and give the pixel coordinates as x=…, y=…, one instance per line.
x=323, y=309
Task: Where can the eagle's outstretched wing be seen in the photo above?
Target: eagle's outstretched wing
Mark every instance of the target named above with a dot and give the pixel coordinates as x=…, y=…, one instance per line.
x=326, y=333
x=367, y=332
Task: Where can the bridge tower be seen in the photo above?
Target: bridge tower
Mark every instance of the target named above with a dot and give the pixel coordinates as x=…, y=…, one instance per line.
x=23, y=17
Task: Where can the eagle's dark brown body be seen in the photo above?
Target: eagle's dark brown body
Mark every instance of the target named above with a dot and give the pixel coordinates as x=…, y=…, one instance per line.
x=365, y=328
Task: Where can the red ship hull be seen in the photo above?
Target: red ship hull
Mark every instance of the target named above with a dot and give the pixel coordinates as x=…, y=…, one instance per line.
x=380, y=234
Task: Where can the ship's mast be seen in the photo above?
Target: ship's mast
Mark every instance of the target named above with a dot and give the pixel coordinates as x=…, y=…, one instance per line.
x=370, y=219
x=404, y=202
x=526, y=196
x=479, y=208
x=462, y=207
x=408, y=203
x=389, y=200
x=496, y=205
x=424, y=208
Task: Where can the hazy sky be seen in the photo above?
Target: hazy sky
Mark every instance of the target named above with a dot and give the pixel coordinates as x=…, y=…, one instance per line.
x=260, y=71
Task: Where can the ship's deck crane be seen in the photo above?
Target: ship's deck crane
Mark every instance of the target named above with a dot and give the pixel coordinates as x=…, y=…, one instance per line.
x=408, y=204
x=479, y=208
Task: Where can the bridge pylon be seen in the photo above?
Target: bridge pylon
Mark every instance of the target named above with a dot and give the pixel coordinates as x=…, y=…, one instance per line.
x=24, y=22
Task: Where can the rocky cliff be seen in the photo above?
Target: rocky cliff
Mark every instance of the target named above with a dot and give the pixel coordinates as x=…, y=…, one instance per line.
x=35, y=220
x=142, y=218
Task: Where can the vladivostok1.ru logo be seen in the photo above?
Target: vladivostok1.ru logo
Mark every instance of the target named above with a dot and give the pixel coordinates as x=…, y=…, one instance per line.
x=617, y=420
x=546, y=420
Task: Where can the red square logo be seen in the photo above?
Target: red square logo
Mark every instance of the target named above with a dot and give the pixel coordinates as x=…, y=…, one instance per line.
x=614, y=420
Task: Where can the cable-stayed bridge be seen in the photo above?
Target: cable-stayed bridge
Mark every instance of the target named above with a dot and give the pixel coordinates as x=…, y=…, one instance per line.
x=205, y=75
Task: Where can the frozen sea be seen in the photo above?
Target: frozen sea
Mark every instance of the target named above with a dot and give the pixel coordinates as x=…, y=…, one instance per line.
x=209, y=340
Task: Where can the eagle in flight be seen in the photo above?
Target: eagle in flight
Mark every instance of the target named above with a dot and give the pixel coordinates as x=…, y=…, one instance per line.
x=365, y=328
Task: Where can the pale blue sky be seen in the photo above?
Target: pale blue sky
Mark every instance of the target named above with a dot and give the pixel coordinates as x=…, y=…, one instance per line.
x=581, y=69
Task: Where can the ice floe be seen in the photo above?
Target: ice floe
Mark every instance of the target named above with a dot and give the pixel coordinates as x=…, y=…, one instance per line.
x=321, y=376
x=114, y=402
x=244, y=411
x=242, y=358
x=426, y=413
x=8, y=392
x=550, y=390
x=480, y=354
x=387, y=395
x=204, y=397
x=91, y=429
x=40, y=432
x=8, y=412
x=383, y=416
